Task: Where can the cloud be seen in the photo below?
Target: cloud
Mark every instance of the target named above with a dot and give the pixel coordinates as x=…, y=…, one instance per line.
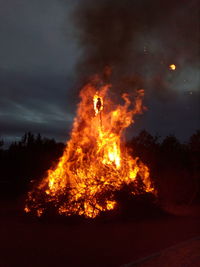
x=37, y=104
x=35, y=36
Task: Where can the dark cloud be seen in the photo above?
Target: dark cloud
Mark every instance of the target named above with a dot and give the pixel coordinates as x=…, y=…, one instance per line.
x=35, y=36
x=37, y=104
x=36, y=68
x=139, y=40
x=140, y=37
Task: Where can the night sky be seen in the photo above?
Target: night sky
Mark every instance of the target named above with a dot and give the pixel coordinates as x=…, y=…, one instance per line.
x=48, y=48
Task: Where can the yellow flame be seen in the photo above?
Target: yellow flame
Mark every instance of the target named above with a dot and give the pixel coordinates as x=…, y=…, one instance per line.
x=95, y=162
x=96, y=100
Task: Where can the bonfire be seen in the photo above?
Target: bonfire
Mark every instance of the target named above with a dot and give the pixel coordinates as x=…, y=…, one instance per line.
x=95, y=163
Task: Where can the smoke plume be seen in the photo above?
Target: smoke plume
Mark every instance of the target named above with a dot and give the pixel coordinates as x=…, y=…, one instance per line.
x=137, y=39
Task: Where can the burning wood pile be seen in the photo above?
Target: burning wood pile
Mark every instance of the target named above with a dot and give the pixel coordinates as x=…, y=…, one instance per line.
x=95, y=163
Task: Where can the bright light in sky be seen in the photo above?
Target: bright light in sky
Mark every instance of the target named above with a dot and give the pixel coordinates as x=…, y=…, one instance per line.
x=172, y=67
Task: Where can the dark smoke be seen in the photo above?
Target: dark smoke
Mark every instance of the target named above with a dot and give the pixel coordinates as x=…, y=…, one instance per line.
x=137, y=38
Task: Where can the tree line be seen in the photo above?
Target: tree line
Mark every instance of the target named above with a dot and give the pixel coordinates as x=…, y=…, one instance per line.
x=25, y=161
x=174, y=166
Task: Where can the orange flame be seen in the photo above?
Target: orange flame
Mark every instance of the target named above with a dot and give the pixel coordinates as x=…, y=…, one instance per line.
x=95, y=162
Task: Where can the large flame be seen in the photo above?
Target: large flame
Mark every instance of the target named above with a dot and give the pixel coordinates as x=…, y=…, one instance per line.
x=95, y=163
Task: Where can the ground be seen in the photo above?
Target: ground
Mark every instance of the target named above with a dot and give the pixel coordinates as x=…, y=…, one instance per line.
x=28, y=242
x=186, y=254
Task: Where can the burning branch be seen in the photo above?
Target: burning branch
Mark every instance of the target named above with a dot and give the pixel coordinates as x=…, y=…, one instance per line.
x=95, y=162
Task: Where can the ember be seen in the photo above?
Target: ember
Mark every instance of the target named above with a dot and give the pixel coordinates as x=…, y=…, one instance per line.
x=95, y=163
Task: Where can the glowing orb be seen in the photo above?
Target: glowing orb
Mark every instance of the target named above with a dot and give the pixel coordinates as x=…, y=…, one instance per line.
x=172, y=67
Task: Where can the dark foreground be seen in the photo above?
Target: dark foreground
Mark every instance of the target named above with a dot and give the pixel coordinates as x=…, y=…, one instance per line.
x=186, y=253
x=27, y=242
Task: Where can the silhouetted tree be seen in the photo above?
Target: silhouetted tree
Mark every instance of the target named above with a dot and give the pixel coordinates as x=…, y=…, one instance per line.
x=146, y=147
x=1, y=143
x=194, y=150
x=27, y=160
x=174, y=167
x=194, y=142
